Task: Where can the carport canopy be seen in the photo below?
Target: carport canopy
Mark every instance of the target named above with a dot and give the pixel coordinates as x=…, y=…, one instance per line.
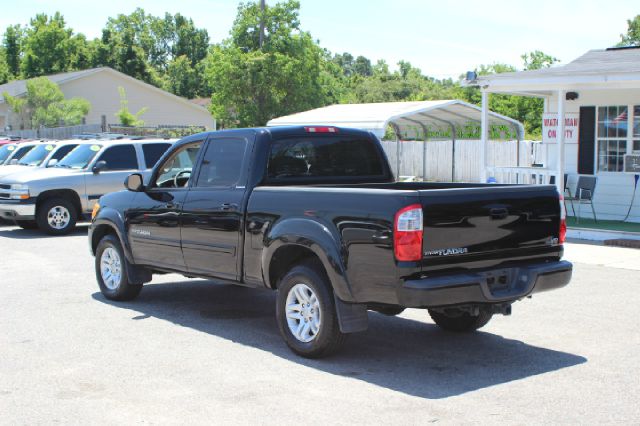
x=408, y=119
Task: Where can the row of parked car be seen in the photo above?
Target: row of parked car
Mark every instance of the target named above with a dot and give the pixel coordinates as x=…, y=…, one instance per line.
x=51, y=185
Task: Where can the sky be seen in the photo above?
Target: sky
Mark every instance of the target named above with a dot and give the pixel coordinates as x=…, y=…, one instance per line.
x=442, y=38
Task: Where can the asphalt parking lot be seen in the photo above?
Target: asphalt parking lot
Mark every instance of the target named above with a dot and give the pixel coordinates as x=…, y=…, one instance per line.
x=190, y=351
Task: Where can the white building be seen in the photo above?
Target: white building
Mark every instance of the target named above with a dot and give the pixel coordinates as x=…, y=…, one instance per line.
x=596, y=101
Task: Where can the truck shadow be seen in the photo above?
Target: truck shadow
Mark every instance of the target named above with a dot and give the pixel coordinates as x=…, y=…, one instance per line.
x=12, y=231
x=404, y=355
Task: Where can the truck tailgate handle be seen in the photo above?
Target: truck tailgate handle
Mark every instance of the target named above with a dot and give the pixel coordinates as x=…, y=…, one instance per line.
x=498, y=213
x=381, y=238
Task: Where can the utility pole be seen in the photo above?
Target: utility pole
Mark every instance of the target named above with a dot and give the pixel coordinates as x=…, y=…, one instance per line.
x=261, y=23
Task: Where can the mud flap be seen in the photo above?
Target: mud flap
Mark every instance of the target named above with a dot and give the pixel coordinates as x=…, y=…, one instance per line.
x=352, y=317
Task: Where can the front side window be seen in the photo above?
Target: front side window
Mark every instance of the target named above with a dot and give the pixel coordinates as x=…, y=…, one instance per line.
x=612, y=128
x=176, y=170
x=36, y=156
x=80, y=157
x=21, y=152
x=222, y=163
x=62, y=152
x=120, y=157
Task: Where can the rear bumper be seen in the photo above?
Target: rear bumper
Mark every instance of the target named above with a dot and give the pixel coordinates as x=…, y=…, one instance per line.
x=494, y=286
x=18, y=210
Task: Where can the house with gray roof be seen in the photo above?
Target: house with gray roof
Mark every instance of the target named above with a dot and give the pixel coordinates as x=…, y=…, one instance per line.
x=100, y=87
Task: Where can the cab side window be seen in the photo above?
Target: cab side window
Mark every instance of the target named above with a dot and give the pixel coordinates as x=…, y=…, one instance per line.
x=120, y=157
x=176, y=170
x=222, y=164
x=153, y=152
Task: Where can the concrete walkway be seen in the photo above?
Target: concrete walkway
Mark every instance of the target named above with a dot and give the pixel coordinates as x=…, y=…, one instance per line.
x=595, y=254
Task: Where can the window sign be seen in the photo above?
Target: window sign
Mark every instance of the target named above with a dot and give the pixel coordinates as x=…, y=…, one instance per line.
x=550, y=127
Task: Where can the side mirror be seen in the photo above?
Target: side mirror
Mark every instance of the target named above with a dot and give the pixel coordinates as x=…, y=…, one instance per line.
x=99, y=166
x=52, y=162
x=13, y=162
x=134, y=183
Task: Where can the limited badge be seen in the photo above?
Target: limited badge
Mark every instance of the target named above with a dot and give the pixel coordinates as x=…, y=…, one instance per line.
x=95, y=148
x=49, y=147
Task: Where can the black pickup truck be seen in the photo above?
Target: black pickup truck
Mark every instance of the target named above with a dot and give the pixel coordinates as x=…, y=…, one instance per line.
x=315, y=213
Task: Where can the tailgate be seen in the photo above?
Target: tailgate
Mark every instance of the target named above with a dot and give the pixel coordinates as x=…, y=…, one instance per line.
x=467, y=222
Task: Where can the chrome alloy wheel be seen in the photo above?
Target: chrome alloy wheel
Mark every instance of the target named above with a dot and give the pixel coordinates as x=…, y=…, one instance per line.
x=111, y=268
x=58, y=217
x=303, y=313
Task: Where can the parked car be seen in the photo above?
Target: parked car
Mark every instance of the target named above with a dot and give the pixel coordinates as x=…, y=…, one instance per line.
x=315, y=213
x=55, y=198
x=11, y=153
x=41, y=156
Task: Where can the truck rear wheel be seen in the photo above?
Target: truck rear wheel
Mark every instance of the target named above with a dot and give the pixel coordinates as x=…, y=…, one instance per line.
x=56, y=216
x=111, y=271
x=461, y=322
x=306, y=312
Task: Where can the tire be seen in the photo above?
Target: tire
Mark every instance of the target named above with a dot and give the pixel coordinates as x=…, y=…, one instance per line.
x=462, y=322
x=27, y=224
x=56, y=216
x=111, y=271
x=302, y=283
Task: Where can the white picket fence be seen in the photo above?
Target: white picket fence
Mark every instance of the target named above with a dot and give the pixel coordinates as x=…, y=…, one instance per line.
x=466, y=168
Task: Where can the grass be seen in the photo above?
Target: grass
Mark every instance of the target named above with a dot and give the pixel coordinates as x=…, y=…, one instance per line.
x=603, y=225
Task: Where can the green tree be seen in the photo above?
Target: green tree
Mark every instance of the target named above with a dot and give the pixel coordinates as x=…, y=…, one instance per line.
x=632, y=37
x=290, y=73
x=45, y=105
x=126, y=117
x=50, y=47
x=5, y=73
x=181, y=78
x=12, y=43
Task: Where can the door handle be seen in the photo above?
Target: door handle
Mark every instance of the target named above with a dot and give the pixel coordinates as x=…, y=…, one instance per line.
x=172, y=205
x=228, y=206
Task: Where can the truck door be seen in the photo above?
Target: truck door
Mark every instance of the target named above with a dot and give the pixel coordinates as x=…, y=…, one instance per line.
x=154, y=223
x=212, y=215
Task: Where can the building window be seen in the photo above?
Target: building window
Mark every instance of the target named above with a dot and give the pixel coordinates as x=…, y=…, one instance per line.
x=636, y=129
x=613, y=123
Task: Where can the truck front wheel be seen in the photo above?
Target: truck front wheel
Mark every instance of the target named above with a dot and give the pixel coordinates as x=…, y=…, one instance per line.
x=461, y=322
x=306, y=312
x=56, y=216
x=111, y=271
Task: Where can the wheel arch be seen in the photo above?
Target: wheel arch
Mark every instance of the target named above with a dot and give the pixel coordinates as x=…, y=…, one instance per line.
x=298, y=240
x=68, y=194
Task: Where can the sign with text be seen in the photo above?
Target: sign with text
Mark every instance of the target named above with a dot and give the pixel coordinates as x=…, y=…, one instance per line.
x=632, y=163
x=550, y=127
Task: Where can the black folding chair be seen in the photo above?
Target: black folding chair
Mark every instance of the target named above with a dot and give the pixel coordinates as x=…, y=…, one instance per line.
x=585, y=190
x=566, y=190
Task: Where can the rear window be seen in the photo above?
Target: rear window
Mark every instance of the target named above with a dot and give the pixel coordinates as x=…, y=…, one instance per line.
x=153, y=152
x=316, y=157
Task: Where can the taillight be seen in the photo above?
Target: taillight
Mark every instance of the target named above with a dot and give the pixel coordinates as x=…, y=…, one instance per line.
x=407, y=234
x=562, y=234
x=320, y=129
